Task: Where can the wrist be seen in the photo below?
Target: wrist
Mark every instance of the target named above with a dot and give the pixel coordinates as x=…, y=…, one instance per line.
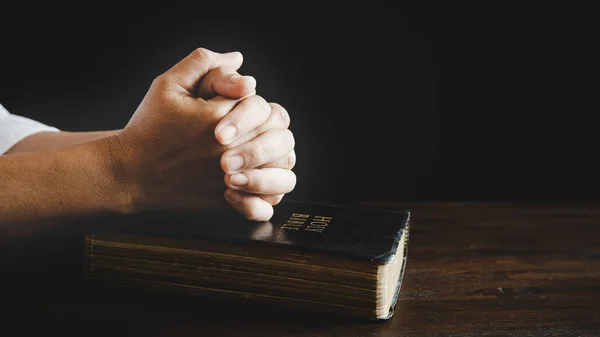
x=117, y=170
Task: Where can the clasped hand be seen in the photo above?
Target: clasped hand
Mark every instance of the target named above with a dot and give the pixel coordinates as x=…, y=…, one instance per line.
x=201, y=137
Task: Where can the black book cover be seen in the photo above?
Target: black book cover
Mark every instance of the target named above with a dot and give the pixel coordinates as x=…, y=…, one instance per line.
x=362, y=233
x=368, y=235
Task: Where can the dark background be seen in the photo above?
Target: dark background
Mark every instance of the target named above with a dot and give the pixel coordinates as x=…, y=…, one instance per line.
x=435, y=101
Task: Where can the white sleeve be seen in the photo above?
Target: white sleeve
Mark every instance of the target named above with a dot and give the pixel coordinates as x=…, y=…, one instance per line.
x=14, y=128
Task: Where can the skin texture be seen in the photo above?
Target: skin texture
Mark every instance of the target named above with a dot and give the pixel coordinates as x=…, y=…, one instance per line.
x=44, y=141
x=174, y=153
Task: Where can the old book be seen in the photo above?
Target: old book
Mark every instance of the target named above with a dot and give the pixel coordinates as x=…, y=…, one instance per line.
x=328, y=258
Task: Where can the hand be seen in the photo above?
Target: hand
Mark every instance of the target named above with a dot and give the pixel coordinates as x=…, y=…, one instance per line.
x=257, y=186
x=255, y=189
x=224, y=81
x=267, y=157
x=168, y=155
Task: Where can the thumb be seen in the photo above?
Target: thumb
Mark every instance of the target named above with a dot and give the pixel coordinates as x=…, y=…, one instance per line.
x=189, y=71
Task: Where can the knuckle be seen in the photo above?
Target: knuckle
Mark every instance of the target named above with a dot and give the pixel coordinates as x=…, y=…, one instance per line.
x=208, y=106
x=216, y=77
x=290, y=140
x=201, y=54
x=282, y=118
x=294, y=180
x=261, y=102
x=261, y=183
x=245, y=120
x=210, y=109
x=222, y=72
x=290, y=160
x=259, y=154
x=161, y=81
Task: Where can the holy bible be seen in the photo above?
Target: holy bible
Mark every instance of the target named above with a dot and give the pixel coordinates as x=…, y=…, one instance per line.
x=340, y=259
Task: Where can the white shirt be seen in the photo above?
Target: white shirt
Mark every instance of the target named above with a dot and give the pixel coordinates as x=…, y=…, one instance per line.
x=14, y=128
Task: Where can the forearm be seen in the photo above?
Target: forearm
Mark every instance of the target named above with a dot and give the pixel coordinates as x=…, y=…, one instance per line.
x=43, y=189
x=43, y=141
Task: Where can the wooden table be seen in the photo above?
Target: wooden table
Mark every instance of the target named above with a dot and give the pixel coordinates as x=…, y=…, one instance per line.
x=474, y=269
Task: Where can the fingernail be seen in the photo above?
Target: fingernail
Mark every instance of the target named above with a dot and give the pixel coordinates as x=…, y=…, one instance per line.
x=235, y=78
x=228, y=133
x=233, y=196
x=234, y=162
x=238, y=179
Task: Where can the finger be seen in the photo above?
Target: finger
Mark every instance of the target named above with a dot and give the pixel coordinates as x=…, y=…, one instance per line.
x=250, y=113
x=262, y=181
x=251, y=206
x=263, y=149
x=272, y=199
x=214, y=109
x=278, y=119
x=231, y=60
x=226, y=82
x=286, y=162
x=191, y=69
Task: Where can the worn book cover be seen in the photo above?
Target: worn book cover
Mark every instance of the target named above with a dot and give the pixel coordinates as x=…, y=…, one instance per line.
x=341, y=259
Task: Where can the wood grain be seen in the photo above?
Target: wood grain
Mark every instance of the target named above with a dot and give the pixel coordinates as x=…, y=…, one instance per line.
x=474, y=269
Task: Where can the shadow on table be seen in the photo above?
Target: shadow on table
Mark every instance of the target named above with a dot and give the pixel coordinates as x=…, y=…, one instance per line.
x=43, y=283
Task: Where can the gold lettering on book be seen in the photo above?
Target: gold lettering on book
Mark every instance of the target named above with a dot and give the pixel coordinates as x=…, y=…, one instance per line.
x=295, y=221
x=318, y=223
